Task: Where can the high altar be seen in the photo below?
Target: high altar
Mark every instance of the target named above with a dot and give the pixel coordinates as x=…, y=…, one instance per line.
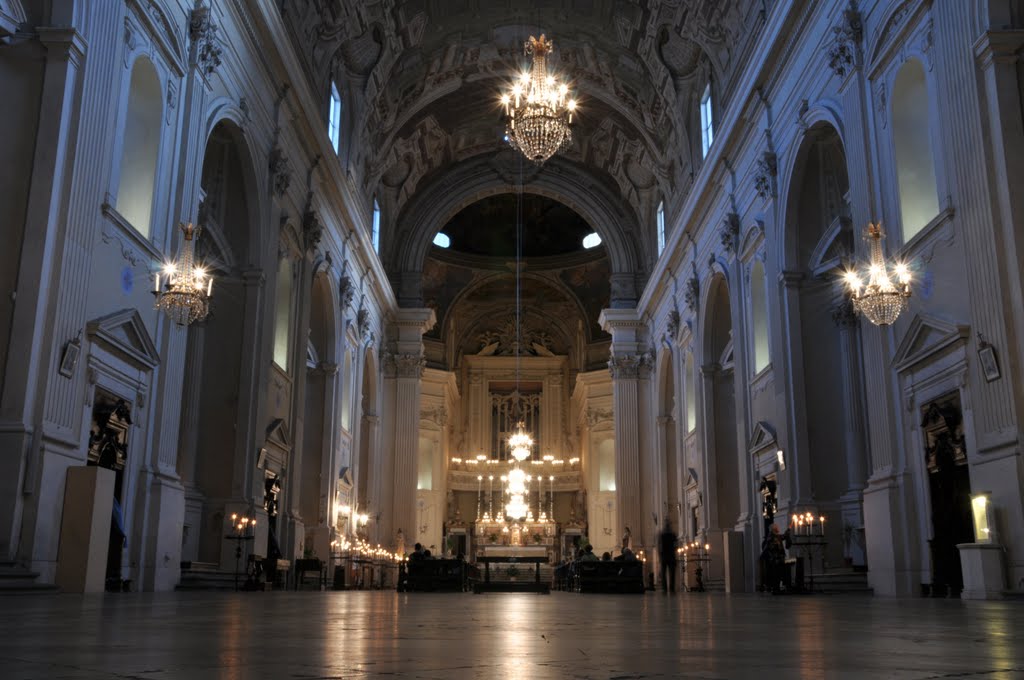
x=495, y=397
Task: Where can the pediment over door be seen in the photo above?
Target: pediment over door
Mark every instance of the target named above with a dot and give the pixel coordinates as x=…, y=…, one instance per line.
x=927, y=338
x=124, y=335
x=762, y=439
x=278, y=434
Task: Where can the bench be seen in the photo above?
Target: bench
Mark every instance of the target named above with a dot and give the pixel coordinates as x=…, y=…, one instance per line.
x=609, y=576
x=430, y=575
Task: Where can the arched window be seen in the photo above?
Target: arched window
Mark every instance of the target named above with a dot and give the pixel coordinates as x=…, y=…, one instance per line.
x=334, y=118
x=141, y=139
x=375, y=233
x=283, y=312
x=661, y=227
x=915, y=163
x=347, y=386
x=606, y=465
x=759, y=316
x=707, y=126
x=690, y=382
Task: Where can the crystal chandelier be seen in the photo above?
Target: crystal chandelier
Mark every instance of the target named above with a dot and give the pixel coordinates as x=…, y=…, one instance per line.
x=879, y=299
x=185, y=293
x=520, y=443
x=539, y=113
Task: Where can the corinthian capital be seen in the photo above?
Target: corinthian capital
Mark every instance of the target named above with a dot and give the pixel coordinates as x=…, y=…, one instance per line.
x=631, y=366
x=404, y=365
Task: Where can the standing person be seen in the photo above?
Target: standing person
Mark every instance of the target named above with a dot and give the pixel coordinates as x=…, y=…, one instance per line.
x=667, y=553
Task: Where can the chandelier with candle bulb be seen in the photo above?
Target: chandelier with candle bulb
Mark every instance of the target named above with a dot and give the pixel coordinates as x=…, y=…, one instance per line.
x=520, y=444
x=186, y=286
x=538, y=107
x=881, y=290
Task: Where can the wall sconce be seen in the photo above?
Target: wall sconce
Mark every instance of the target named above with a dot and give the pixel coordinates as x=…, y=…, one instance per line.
x=984, y=518
x=782, y=459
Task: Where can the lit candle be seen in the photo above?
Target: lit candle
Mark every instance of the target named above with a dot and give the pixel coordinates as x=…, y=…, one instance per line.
x=209, y=288
x=156, y=282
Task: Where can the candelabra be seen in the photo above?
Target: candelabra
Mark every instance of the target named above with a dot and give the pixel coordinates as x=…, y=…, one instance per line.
x=240, y=531
x=700, y=554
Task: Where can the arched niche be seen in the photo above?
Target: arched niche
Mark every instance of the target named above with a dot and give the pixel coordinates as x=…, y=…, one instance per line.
x=827, y=440
x=668, y=439
x=318, y=423
x=912, y=144
x=140, y=150
x=721, y=451
x=368, y=431
x=216, y=460
x=759, y=316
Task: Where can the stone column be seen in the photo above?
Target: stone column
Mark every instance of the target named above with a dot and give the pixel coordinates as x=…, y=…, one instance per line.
x=39, y=268
x=709, y=473
x=846, y=320
x=329, y=463
x=630, y=367
x=403, y=373
x=796, y=446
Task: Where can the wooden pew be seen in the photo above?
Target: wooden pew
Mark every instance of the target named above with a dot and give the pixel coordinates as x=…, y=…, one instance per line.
x=609, y=577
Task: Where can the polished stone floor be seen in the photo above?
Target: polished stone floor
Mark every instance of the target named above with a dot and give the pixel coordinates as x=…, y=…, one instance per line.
x=498, y=636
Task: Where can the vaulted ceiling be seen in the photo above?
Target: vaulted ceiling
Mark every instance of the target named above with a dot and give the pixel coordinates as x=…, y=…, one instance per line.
x=421, y=80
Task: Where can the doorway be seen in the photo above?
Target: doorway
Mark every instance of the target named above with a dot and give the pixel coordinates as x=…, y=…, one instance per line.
x=949, y=485
x=108, y=448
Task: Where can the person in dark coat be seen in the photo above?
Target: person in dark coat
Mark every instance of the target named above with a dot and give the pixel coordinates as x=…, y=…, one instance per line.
x=667, y=552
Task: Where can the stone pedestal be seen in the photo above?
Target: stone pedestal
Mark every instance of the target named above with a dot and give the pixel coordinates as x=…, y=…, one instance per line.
x=732, y=547
x=85, y=529
x=982, y=565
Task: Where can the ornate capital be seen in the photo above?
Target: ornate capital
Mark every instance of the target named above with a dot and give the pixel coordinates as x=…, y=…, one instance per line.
x=730, y=232
x=437, y=415
x=844, y=52
x=631, y=366
x=598, y=415
x=312, y=230
x=206, y=49
x=764, y=177
x=844, y=315
x=363, y=322
x=691, y=294
x=404, y=365
x=280, y=171
x=675, y=325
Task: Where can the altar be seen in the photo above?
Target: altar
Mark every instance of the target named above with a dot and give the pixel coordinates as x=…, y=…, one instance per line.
x=513, y=552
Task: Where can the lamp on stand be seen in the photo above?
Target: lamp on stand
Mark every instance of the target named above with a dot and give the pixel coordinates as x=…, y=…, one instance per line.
x=242, y=529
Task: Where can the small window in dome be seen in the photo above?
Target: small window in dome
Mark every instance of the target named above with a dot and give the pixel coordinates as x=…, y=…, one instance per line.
x=591, y=240
x=442, y=240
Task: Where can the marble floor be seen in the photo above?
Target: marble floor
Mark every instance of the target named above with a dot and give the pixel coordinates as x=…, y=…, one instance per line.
x=359, y=635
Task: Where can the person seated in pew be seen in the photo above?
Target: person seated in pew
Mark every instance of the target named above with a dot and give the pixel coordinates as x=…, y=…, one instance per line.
x=606, y=556
x=626, y=555
x=588, y=554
